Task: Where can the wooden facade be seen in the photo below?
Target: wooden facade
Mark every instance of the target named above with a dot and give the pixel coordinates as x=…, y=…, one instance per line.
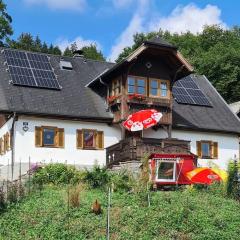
x=144, y=80
x=134, y=149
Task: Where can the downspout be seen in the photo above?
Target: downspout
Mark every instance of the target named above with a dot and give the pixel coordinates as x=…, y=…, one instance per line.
x=12, y=139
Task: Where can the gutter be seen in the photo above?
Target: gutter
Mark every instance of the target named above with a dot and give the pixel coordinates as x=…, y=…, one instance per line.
x=12, y=139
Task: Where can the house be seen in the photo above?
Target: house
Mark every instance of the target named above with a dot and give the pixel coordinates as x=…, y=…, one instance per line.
x=62, y=109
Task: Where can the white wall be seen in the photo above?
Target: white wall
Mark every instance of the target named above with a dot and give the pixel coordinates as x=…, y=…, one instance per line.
x=25, y=142
x=4, y=159
x=228, y=144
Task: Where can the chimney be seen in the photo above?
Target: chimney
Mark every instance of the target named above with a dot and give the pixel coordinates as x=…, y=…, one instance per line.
x=78, y=53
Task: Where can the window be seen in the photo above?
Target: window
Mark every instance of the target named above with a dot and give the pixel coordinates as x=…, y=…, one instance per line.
x=46, y=136
x=158, y=88
x=137, y=85
x=166, y=171
x=164, y=89
x=154, y=88
x=5, y=144
x=90, y=139
x=115, y=88
x=207, y=149
x=2, y=146
x=49, y=136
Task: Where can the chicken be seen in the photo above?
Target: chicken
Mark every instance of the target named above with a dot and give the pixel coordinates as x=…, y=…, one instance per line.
x=96, y=208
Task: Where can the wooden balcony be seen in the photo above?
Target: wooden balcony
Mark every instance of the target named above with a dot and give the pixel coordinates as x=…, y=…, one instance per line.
x=134, y=149
x=141, y=100
x=150, y=101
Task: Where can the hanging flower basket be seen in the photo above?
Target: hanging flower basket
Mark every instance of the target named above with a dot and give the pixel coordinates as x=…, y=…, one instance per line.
x=136, y=96
x=111, y=99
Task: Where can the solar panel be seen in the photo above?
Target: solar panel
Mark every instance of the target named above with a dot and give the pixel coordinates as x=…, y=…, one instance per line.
x=30, y=69
x=186, y=91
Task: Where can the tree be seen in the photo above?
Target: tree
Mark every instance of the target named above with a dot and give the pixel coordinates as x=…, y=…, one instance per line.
x=5, y=24
x=27, y=42
x=91, y=52
x=215, y=52
x=67, y=52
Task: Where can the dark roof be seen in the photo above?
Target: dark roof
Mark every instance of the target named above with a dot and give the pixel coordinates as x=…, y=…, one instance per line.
x=159, y=41
x=219, y=117
x=75, y=100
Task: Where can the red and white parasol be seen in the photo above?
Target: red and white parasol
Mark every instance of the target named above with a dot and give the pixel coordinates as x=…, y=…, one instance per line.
x=142, y=120
x=203, y=176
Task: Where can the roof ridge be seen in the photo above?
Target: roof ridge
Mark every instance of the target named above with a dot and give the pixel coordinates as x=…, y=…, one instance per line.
x=55, y=55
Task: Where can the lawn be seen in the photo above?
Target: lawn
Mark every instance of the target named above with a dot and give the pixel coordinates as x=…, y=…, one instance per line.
x=187, y=214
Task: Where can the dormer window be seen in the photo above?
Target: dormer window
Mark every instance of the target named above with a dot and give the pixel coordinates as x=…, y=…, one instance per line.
x=137, y=85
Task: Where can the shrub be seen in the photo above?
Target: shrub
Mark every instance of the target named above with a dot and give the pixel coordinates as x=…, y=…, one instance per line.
x=57, y=173
x=121, y=181
x=3, y=203
x=233, y=184
x=97, y=177
x=12, y=195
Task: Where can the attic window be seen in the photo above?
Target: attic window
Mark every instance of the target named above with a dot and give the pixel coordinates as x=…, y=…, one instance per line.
x=65, y=65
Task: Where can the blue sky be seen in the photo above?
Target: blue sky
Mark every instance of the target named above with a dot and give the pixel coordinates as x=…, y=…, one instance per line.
x=110, y=24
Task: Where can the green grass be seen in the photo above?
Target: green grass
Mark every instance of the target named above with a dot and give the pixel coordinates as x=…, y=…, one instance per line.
x=172, y=215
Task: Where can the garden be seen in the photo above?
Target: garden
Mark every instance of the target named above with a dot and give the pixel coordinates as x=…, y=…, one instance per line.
x=61, y=202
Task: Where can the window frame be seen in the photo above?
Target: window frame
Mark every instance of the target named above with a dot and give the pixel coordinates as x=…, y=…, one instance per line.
x=159, y=90
x=57, y=132
x=174, y=171
x=96, y=134
x=213, y=149
x=136, y=78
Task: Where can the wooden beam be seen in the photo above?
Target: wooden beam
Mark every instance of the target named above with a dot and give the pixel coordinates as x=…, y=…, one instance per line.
x=137, y=52
x=184, y=61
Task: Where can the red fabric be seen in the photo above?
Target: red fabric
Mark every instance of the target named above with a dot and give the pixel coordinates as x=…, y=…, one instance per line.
x=142, y=120
x=203, y=176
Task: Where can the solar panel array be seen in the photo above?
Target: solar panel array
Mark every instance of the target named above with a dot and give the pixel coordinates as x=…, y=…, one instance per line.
x=30, y=69
x=186, y=91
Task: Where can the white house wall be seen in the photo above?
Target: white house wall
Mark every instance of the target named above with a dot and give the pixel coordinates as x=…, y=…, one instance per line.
x=228, y=144
x=25, y=142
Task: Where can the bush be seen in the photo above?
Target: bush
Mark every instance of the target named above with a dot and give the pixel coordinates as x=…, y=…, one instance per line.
x=121, y=181
x=3, y=203
x=12, y=195
x=97, y=177
x=57, y=174
x=233, y=184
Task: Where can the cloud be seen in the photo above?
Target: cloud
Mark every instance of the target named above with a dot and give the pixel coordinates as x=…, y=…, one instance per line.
x=76, y=5
x=126, y=37
x=189, y=18
x=62, y=43
x=122, y=3
x=183, y=18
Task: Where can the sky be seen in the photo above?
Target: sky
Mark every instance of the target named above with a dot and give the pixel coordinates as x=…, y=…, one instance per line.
x=111, y=24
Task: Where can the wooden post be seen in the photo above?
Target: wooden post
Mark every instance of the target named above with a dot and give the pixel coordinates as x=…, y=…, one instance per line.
x=29, y=179
x=108, y=213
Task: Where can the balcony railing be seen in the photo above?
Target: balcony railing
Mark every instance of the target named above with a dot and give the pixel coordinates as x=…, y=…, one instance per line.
x=134, y=149
x=140, y=100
